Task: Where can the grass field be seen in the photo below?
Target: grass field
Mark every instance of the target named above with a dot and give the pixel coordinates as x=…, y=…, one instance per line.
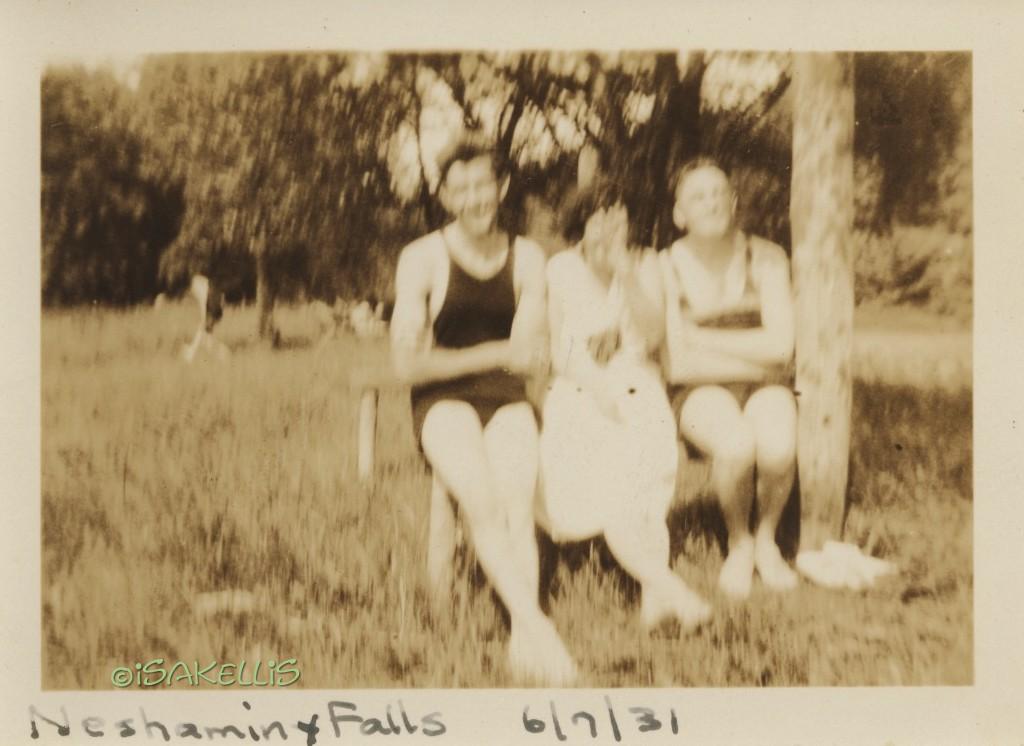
x=163, y=483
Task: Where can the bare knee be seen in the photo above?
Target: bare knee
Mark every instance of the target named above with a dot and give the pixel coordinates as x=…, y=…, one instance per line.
x=712, y=421
x=771, y=413
x=776, y=456
x=483, y=511
x=736, y=453
x=454, y=445
x=511, y=438
x=511, y=443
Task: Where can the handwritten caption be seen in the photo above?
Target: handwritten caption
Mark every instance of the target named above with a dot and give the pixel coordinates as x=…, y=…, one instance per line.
x=545, y=720
x=640, y=720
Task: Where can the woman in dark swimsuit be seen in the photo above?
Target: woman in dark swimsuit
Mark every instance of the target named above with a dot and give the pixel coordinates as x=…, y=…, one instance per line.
x=474, y=311
x=737, y=404
x=468, y=327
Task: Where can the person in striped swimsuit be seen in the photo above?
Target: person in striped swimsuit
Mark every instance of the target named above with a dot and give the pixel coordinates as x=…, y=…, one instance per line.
x=468, y=328
x=739, y=407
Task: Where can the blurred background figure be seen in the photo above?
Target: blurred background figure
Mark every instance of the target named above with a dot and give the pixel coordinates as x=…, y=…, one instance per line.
x=366, y=320
x=211, y=310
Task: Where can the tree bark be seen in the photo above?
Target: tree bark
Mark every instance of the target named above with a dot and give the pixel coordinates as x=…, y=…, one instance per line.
x=265, y=300
x=821, y=212
x=683, y=132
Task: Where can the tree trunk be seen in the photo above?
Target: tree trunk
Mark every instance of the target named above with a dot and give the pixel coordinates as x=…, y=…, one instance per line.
x=682, y=130
x=265, y=300
x=821, y=212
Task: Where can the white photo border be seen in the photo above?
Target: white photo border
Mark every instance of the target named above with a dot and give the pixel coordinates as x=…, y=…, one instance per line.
x=34, y=33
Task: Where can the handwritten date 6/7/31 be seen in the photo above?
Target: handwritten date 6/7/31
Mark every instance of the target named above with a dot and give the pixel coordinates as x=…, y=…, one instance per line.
x=639, y=719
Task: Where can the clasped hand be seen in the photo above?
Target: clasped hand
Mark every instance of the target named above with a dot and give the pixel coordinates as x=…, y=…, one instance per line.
x=528, y=357
x=603, y=346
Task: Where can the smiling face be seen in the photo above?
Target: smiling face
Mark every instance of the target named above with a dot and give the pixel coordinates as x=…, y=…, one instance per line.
x=472, y=192
x=605, y=237
x=705, y=203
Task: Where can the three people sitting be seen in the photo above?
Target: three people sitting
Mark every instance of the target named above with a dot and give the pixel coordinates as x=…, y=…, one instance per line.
x=469, y=328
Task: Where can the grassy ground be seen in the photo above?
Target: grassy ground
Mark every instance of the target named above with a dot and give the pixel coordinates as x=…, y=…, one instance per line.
x=163, y=482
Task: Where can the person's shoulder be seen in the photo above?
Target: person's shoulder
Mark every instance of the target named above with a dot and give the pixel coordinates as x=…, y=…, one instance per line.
x=647, y=255
x=563, y=263
x=676, y=246
x=418, y=261
x=767, y=251
x=676, y=251
x=421, y=252
x=528, y=250
x=530, y=258
x=768, y=261
x=563, y=259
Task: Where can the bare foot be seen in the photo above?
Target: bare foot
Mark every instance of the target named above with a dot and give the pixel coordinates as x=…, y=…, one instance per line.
x=774, y=571
x=737, y=572
x=539, y=655
x=682, y=604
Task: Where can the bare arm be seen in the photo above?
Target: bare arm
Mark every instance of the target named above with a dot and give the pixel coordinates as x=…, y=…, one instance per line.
x=702, y=365
x=698, y=364
x=642, y=290
x=413, y=357
x=529, y=329
x=772, y=343
x=570, y=356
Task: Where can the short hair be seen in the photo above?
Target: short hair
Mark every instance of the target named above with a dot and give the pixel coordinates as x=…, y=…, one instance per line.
x=695, y=164
x=466, y=147
x=582, y=203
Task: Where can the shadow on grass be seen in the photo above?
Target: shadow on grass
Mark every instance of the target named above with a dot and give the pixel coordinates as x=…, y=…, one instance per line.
x=291, y=344
x=920, y=438
x=279, y=343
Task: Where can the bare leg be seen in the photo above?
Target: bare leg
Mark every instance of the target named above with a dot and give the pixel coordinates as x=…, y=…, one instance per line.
x=712, y=421
x=640, y=543
x=772, y=413
x=453, y=442
x=511, y=442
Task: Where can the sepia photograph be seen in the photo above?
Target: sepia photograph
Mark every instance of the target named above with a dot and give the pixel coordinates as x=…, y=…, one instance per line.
x=485, y=373
x=482, y=368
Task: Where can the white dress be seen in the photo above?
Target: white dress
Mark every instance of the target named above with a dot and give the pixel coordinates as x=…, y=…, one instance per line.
x=594, y=469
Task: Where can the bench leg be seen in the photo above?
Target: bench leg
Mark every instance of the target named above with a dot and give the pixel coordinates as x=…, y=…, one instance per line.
x=441, y=539
x=440, y=543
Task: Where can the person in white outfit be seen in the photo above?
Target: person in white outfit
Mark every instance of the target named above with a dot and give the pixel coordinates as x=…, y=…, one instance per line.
x=608, y=446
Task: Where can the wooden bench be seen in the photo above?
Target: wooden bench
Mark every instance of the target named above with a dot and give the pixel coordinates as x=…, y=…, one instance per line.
x=441, y=534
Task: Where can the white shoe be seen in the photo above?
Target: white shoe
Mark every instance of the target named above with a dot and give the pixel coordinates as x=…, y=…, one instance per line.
x=842, y=565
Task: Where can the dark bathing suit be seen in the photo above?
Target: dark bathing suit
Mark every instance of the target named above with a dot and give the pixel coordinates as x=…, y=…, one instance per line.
x=474, y=311
x=741, y=319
